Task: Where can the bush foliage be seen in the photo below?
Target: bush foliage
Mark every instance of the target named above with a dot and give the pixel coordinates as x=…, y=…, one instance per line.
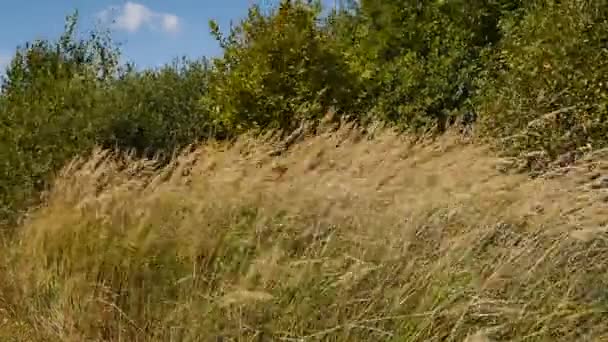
x=532, y=74
x=278, y=69
x=546, y=87
x=51, y=103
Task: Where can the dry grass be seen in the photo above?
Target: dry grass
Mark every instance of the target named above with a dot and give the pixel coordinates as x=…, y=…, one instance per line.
x=340, y=239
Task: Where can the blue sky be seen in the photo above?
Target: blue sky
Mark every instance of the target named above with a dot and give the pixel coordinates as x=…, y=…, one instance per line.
x=151, y=32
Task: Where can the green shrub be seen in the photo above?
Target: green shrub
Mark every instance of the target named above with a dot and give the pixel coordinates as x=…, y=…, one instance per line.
x=49, y=111
x=278, y=69
x=157, y=111
x=419, y=60
x=547, y=85
x=61, y=98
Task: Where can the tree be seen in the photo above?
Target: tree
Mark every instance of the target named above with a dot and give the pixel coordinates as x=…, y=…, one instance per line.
x=278, y=69
x=547, y=85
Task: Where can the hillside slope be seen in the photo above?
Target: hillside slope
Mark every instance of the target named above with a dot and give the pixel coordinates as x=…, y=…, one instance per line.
x=341, y=238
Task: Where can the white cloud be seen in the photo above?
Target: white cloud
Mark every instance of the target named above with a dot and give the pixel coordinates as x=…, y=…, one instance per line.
x=132, y=16
x=170, y=23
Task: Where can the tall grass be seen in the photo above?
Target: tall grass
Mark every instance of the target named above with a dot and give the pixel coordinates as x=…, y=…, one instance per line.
x=342, y=238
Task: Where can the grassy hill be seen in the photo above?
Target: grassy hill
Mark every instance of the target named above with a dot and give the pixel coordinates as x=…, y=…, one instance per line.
x=341, y=238
x=159, y=205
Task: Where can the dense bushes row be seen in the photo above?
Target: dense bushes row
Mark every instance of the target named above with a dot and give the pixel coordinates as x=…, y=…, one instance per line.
x=545, y=87
x=60, y=99
x=532, y=74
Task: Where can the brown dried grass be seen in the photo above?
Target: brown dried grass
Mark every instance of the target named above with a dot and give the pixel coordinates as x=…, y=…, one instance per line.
x=341, y=238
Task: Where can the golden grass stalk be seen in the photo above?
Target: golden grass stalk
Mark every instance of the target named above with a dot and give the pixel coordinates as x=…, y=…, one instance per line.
x=340, y=238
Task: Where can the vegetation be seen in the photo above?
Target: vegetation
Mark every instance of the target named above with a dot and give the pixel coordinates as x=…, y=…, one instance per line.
x=125, y=242
x=60, y=99
x=377, y=239
x=546, y=88
x=278, y=70
x=500, y=64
